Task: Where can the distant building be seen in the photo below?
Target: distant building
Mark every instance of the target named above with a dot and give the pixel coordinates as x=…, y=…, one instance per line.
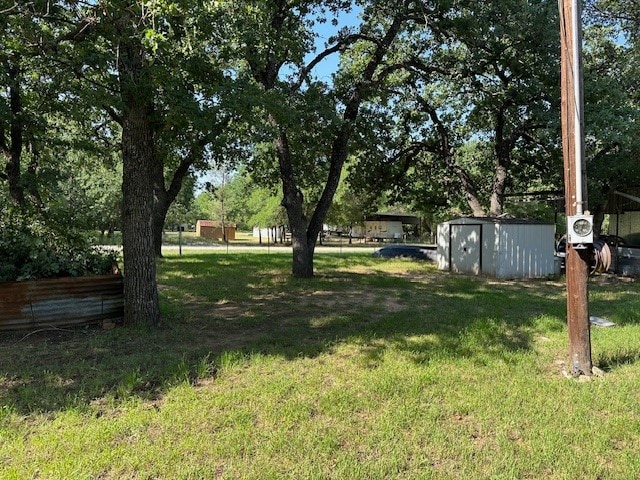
x=213, y=230
x=388, y=226
x=624, y=215
x=274, y=234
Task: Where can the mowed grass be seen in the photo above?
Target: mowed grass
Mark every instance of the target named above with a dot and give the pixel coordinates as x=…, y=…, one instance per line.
x=375, y=369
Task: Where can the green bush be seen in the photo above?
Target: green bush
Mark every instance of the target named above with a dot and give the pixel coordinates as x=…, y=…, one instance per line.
x=31, y=248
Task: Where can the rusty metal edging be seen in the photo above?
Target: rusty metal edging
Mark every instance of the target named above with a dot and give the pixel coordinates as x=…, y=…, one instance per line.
x=60, y=301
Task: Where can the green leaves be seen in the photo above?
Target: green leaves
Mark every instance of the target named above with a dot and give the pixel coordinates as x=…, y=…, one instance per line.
x=612, y=106
x=475, y=76
x=32, y=249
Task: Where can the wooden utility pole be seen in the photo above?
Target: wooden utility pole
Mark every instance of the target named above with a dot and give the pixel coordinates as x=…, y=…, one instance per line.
x=577, y=259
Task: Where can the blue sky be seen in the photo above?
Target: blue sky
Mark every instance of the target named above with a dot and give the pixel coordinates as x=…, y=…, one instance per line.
x=329, y=65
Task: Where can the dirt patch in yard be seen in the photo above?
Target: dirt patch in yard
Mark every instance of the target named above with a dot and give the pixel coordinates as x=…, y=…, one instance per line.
x=235, y=325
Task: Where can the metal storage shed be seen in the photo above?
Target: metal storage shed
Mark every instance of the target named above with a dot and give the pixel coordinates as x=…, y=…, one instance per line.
x=497, y=247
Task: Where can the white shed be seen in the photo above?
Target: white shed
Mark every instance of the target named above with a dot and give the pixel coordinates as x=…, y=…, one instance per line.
x=497, y=247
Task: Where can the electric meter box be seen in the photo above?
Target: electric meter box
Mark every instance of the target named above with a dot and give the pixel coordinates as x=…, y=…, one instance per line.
x=580, y=229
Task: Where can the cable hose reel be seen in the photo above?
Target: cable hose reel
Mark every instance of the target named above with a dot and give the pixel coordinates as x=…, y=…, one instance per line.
x=601, y=257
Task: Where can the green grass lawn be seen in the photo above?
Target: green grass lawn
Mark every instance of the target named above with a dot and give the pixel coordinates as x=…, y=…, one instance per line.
x=375, y=369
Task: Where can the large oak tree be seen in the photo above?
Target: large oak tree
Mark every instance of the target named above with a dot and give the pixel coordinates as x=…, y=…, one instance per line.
x=151, y=67
x=312, y=122
x=471, y=112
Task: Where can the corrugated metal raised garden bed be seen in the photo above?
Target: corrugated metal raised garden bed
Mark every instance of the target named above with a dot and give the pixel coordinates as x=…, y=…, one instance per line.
x=61, y=302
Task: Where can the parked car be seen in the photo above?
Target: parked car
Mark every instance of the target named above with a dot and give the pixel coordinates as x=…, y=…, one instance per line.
x=418, y=252
x=613, y=241
x=632, y=240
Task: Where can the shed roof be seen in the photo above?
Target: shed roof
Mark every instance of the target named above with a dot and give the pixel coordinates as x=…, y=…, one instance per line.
x=394, y=217
x=214, y=223
x=619, y=202
x=499, y=220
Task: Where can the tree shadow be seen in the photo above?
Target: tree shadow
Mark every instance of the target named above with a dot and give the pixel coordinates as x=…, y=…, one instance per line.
x=610, y=361
x=217, y=308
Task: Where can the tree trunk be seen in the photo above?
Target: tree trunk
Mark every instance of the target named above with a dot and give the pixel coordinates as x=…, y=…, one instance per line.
x=500, y=178
x=164, y=197
x=160, y=210
x=303, y=252
x=446, y=151
x=160, y=204
x=340, y=143
x=141, y=304
x=598, y=219
x=304, y=232
x=292, y=201
x=468, y=186
x=503, y=148
x=470, y=193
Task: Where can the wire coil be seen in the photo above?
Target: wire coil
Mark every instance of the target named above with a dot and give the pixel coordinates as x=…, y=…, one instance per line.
x=601, y=256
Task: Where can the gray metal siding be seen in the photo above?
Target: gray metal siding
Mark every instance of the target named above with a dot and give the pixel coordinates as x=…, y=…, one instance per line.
x=526, y=251
x=510, y=248
x=490, y=247
x=443, y=249
x=466, y=248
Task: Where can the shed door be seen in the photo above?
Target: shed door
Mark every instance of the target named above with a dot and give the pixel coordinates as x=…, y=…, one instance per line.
x=466, y=248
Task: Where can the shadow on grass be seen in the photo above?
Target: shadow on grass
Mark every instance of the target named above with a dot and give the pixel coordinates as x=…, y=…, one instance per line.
x=611, y=361
x=218, y=308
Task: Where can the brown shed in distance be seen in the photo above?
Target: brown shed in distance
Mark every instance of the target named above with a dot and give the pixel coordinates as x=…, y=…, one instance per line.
x=212, y=229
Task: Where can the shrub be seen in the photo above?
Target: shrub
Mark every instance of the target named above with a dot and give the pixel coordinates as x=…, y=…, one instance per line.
x=31, y=248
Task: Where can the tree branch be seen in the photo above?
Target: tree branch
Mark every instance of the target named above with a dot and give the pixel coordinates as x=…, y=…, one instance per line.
x=340, y=144
x=338, y=47
x=115, y=116
x=80, y=31
x=8, y=10
x=3, y=141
